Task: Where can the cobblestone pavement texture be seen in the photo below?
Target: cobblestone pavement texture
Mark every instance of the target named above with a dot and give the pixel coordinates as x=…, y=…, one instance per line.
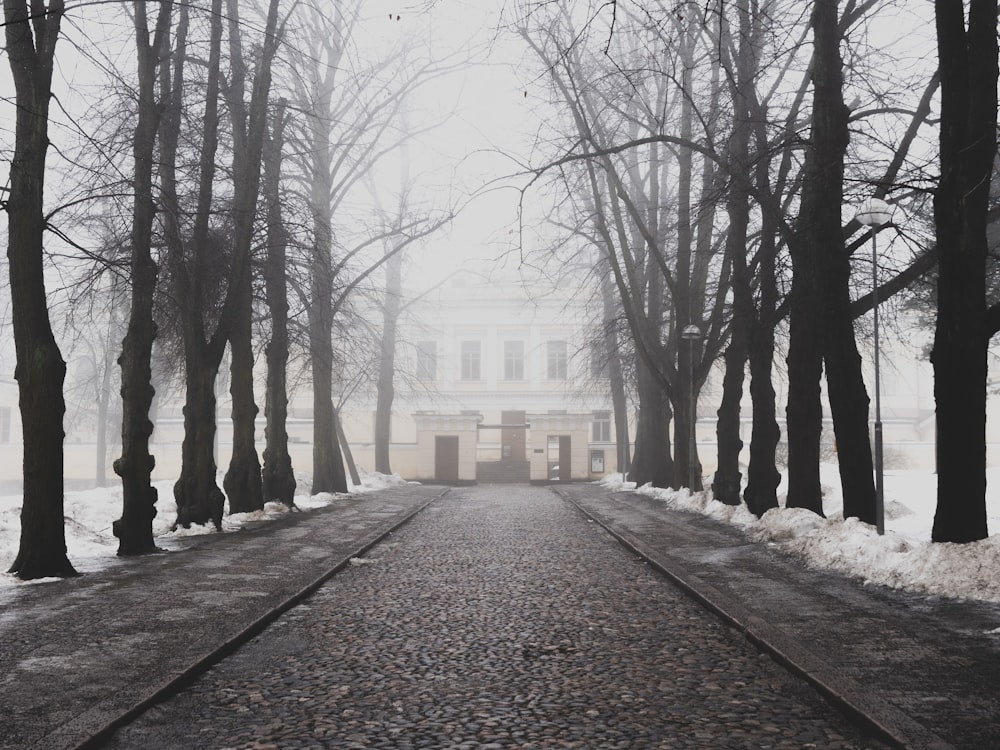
x=498, y=617
x=487, y=613
x=76, y=655
x=925, y=669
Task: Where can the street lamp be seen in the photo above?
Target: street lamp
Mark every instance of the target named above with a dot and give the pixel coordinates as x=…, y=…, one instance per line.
x=875, y=213
x=692, y=334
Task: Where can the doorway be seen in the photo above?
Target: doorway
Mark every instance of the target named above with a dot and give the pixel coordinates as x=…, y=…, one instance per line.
x=512, y=436
x=446, y=458
x=559, y=452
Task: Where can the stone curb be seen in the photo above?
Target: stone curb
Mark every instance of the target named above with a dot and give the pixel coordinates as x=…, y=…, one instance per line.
x=884, y=720
x=206, y=662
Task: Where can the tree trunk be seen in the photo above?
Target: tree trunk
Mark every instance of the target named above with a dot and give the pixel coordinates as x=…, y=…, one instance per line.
x=616, y=379
x=328, y=463
x=199, y=499
x=728, y=477
x=968, y=64
x=348, y=456
x=135, y=466
x=277, y=476
x=243, y=481
x=848, y=400
x=763, y=476
x=845, y=384
x=819, y=238
x=40, y=369
x=652, y=463
x=687, y=467
x=387, y=362
x=103, y=417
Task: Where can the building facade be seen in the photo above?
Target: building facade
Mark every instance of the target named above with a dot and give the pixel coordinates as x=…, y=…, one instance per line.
x=495, y=383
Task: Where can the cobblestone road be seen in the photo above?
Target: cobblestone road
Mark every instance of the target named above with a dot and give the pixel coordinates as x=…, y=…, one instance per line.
x=499, y=617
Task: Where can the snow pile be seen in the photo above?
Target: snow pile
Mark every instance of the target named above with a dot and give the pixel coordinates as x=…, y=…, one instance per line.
x=91, y=545
x=904, y=558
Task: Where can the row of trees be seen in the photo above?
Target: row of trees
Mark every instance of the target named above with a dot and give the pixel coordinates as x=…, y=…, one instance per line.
x=702, y=155
x=703, y=158
x=226, y=189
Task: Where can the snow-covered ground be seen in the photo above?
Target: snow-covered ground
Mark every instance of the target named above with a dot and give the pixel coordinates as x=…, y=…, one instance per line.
x=904, y=558
x=89, y=514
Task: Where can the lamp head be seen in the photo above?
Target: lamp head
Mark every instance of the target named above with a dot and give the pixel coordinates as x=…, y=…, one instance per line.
x=874, y=212
x=691, y=332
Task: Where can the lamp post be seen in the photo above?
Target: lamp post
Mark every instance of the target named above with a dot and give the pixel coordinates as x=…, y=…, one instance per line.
x=692, y=334
x=875, y=213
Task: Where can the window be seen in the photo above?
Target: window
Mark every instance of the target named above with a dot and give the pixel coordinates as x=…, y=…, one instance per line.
x=427, y=361
x=513, y=360
x=471, y=360
x=601, y=432
x=556, y=360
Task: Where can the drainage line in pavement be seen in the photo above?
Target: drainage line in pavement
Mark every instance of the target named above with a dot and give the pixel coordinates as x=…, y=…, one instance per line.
x=202, y=665
x=894, y=727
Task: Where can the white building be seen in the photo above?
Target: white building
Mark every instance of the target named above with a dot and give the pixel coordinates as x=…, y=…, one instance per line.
x=494, y=384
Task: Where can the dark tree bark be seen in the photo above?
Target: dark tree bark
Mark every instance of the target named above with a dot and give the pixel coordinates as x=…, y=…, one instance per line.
x=31, y=36
x=616, y=378
x=652, y=462
x=968, y=63
x=199, y=500
x=103, y=416
x=819, y=236
x=278, y=476
x=845, y=383
x=135, y=466
x=348, y=456
x=243, y=482
x=763, y=476
x=728, y=477
x=387, y=362
x=328, y=462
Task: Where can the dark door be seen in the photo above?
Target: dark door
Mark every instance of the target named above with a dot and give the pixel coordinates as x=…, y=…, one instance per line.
x=512, y=438
x=446, y=458
x=564, y=453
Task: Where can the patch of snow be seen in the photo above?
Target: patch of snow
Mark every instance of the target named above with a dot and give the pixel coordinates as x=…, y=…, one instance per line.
x=89, y=514
x=904, y=558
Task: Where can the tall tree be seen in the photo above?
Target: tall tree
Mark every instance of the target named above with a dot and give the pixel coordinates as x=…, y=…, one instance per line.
x=821, y=325
x=384, y=386
x=31, y=33
x=190, y=255
x=967, y=54
x=277, y=475
x=321, y=67
x=243, y=482
x=727, y=481
x=135, y=527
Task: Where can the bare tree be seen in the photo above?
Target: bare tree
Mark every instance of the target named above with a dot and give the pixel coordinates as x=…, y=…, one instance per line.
x=277, y=475
x=967, y=54
x=243, y=482
x=135, y=527
x=31, y=34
